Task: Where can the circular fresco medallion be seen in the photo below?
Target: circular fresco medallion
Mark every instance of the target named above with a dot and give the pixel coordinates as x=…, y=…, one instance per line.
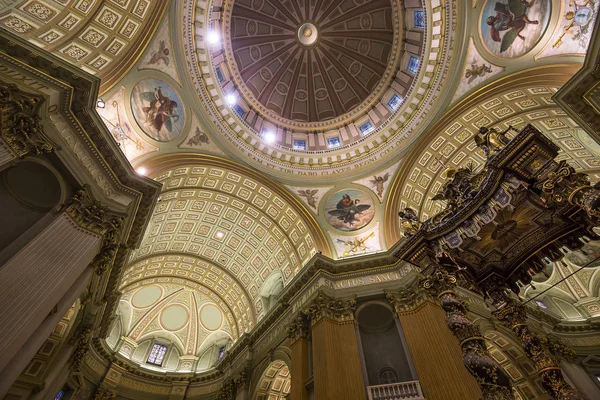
x=349, y=210
x=157, y=109
x=511, y=28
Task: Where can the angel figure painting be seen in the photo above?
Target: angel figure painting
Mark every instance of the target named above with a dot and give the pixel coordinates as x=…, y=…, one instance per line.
x=511, y=28
x=349, y=210
x=157, y=109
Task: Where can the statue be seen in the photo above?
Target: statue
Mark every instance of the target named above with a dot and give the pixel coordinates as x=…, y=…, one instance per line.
x=491, y=141
x=410, y=221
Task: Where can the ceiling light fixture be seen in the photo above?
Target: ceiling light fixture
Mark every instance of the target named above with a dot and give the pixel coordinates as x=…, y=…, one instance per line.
x=213, y=37
x=269, y=137
x=141, y=170
x=231, y=99
x=100, y=103
x=219, y=235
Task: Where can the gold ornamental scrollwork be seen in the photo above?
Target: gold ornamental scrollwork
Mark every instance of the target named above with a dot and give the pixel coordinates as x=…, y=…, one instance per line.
x=82, y=347
x=299, y=327
x=103, y=393
x=513, y=315
x=407, y=299
x=20, y=124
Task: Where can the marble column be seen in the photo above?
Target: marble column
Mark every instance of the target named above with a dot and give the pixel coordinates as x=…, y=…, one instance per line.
x=36, y=339
x=431, y=343
x=38, y=276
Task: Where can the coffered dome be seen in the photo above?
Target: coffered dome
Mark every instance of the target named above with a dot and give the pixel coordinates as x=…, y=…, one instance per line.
x=318, y=87
x=301, y=62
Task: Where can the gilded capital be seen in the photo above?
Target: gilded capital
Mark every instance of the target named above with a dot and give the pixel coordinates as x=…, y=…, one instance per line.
x=299, y=326
x=340, y=310
x=407, y=298
x=20, y=124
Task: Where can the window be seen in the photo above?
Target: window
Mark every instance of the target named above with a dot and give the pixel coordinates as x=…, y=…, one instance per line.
x=221, y=352
x=541, y=304
x=413, y=64
x=419, y=19
x=395, y=102
x=387, y=376
x=239, y=110
x=220, y=75
x=333, y=142
x=157, y=354
x=299, y=144
x=366, y=128
x=59, y=395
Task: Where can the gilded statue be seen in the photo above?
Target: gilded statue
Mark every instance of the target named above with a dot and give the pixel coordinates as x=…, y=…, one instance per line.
x=492, y=141
x=410, y=221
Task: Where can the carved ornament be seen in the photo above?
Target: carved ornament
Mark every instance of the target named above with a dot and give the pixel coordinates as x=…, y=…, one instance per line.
x=20, y=122
x=325, y=307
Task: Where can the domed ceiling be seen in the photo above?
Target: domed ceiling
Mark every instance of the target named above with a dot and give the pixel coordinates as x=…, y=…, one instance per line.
x=104, y=38
x=315, y=87
x=310, y=61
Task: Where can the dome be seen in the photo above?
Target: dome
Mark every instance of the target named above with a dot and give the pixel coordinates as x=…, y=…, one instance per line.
x=314, y=88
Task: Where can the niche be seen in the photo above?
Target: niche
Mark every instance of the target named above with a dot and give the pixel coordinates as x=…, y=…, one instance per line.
x=28, y=191
x=385, y=356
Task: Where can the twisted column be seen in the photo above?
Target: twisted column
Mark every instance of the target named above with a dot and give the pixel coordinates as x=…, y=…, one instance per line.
x=492, y=380
x=513, y=316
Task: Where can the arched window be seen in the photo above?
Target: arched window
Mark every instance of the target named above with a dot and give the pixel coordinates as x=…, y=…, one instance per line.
x=387, y=376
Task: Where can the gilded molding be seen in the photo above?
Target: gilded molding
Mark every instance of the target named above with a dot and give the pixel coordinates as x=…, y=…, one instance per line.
x=20, y=123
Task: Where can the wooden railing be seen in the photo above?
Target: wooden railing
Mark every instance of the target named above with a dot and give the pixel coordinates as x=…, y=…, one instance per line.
x=396, y=391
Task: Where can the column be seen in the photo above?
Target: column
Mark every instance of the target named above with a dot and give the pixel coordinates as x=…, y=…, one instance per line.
x=436, y=354
x=491, y=378
x=298, y=335
x=336, y=361
x=513, y=315
x=583, y=380
x=38, y=276
x=36, y=339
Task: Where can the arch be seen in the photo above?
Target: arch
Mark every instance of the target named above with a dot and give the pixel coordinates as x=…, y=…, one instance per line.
x=29, y=190
x=509, y=355
x=378, y=330
x=274, y=383
x=157, y=165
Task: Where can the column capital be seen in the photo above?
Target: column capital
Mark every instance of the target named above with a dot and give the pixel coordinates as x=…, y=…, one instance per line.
x=20, y=123
x=84, y=338
x=90, y=214
x=299, y=327
x=407, y=298
x=325, y=307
